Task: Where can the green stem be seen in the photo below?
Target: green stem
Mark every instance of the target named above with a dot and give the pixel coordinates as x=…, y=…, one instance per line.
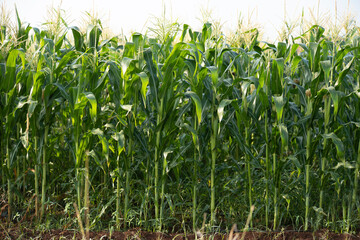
x=356, y=182
x=162, y=194
x=196, y=158
x=78, y=186
x=44, y=163
x=307, y=164
x=247, y=139
x=275, y=193
x=18, y=157
x=307, y=171
x=213, y=162
x=86, y=195
x=349, y=208
x=36, y=179
x=9, y=193
x=127, y=181
x=196, y=147
x=267, y=173
x=147, y=191
x=323, y=160
x=2, y=167
x=8, y=165
x=156, y=179
x=343, y=213
x=118, y=194
x=156, y=166
x=194, y=193
x=25, y=161
x=78, y=172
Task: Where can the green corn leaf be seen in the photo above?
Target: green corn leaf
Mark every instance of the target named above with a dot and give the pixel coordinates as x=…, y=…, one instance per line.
x=342, y=53
x=62, y=90
x=319, y=33
x=254, y=39
x=326, y=67
x=303, y=46
x=284, y=136
x=214, y=75
x=84, y=142
x=190, y=129
x=97, y=132
x=64, y=60
x=103, y=76
x=59, y=43
x=125, y=64
x=129, y=50
x=154, y=81
x=221, y=107
x=263, y=98
x=94, y=156
x=47, y=93
x=78, y=38
x=279, y=106
x=338, y=144
x=18, y=18
x=197, y=102
x=126, y=107
x=293, y=49
x=144, y=83
x=32, y=107
x=93, y=36
x=92, y=100
x=344, y=72
x=345, y=164
x=10, y=74
x=170, y=64
x=167, y=151
x=183, y=34
x=120, y=138
x=281, y=50
x=319, y=211
x=104, y=143
x=314, y=55
x=206, y=32
x=336, y=98
x=296, y=162
x=277, y=75
x=294, y=63
x=138, y=41
x=245, y=84
x=48, y=45
x=22, y=103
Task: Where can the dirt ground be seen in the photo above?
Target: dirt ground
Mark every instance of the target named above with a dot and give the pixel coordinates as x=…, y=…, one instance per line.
x=137, y=234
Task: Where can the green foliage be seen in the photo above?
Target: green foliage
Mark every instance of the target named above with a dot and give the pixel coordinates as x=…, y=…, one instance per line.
x=156, y=133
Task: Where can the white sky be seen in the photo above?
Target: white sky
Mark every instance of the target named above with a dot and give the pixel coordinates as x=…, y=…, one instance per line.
x=128, y=16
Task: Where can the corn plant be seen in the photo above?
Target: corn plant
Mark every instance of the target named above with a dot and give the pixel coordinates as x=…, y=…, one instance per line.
x=159, y=131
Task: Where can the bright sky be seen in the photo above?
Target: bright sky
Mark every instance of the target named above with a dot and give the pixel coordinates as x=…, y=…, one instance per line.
x=128, y=16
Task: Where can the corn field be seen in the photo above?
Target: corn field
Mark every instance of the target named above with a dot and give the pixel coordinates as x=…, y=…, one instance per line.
x=180, y=132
